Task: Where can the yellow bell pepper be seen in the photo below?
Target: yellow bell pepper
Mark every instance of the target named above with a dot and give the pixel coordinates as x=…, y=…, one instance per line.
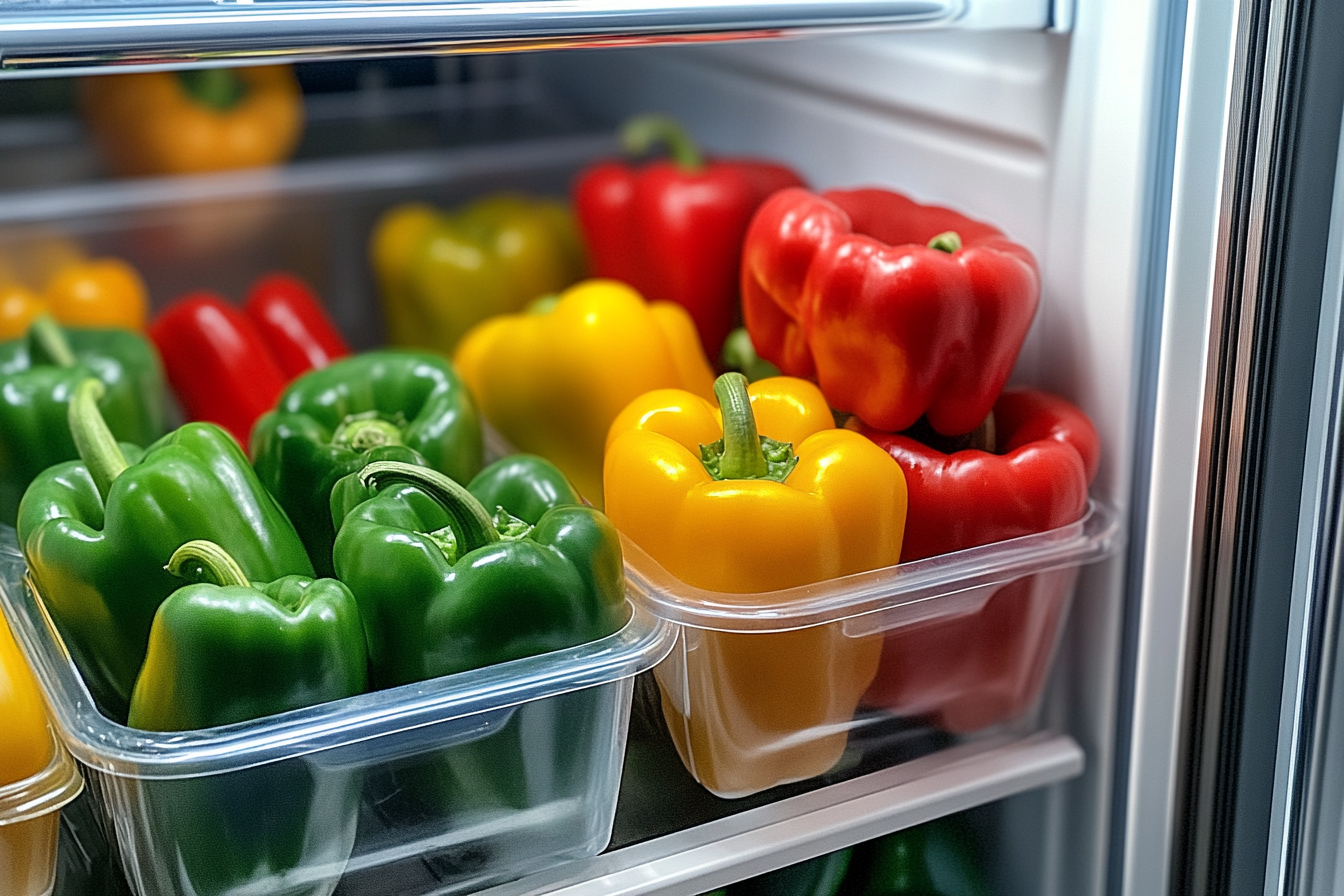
x=553, y=378
x=19, y=307
x=441, y=273
x=730, y=508
x=194, y=121
x=27, y=848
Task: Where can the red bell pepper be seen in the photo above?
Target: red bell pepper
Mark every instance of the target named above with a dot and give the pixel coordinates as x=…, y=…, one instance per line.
x=975, y=670
x=228, y=365
x=673, y=229
x=293, y=324
x=897, y=310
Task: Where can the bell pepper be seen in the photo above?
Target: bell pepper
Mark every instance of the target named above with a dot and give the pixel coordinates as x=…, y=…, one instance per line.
x=441, y=273
x=100, y=292
x=301, y=642
x=96, y=533
x=39, y=373
x=673, y=229
x=445, y=586
x=27, y=847
x=725, y=509
x=228, y=366
x=938, y=858
x=217, y=363
x=897, y=310
x=297, y=331
x=974, y=670
x=553, y=378
x=328, y=421
x=193, y=121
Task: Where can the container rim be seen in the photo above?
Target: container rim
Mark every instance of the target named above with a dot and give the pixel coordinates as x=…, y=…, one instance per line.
x=43, y=793
x=1097, y=534
x=102, y=744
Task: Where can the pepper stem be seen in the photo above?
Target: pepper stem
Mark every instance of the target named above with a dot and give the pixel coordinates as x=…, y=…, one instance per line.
x=97, y=447
x=639, y=134
x=470, y=522
x=218, y=88
x=365, y=432
x=47, y=343
x=204, y=562
x=949, y=241
x=742, y=454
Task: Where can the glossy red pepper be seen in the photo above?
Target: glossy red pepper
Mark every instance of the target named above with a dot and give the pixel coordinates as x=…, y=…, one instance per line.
x=227, y=365
x=975, y=670
x=897, y=310
x=673, y=229
x=293, y=324
x=217, y=362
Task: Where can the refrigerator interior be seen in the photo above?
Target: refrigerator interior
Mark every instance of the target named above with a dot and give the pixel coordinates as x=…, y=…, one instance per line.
x=1057, y=138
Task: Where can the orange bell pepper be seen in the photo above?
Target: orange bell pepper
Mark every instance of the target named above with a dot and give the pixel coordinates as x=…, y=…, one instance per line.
x=193, y=121
x=742, y=511
x=99, y=292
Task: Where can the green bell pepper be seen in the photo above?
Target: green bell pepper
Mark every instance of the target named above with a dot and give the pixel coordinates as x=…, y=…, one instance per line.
x=444, y=587
x=225, y=650
x=37, y=376
x=938, y=858
x=328, y=421
x=96, y=533
x=299, y=640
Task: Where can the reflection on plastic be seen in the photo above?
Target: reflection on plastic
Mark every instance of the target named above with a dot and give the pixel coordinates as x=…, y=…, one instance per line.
x=767, y=707
x=972, y=671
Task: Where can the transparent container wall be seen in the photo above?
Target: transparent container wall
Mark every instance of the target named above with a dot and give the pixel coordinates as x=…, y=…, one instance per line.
x=536, y=788
x=766, y=689
x=441, y=786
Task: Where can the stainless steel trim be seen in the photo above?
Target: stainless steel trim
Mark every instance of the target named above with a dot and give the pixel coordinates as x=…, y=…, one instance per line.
x=1313, y=863
x=82, y=35
x=1223, y=452
x=799, y=828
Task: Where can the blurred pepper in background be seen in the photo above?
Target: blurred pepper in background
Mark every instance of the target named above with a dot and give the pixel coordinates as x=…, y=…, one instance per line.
x=553, y=378
x=673, y=229
x=440, y=273
x=193, y=121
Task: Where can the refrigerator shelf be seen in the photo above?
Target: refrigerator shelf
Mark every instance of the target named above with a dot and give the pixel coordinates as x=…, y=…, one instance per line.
x=701, y=858
x=63, y=36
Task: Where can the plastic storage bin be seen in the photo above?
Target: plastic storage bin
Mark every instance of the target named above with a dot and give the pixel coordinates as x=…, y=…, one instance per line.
x=37, y=778
x=445, y=785
x=966, y=641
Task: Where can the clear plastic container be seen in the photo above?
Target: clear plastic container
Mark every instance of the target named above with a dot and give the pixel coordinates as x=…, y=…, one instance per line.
x=37, y=778
x=962, y=640
x=445, y=785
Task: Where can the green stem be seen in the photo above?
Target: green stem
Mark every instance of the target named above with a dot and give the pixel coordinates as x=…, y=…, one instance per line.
x=97, y=447
x=984, y=437
x=742, y=454
x=47, y=343
x=365, y=433
x=219, y=88
x=470, y=522
x=202, y=561
x=639, y=134
x=949, y=241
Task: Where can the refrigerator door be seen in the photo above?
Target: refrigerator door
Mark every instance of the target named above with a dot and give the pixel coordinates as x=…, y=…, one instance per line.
x=1235, y=768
